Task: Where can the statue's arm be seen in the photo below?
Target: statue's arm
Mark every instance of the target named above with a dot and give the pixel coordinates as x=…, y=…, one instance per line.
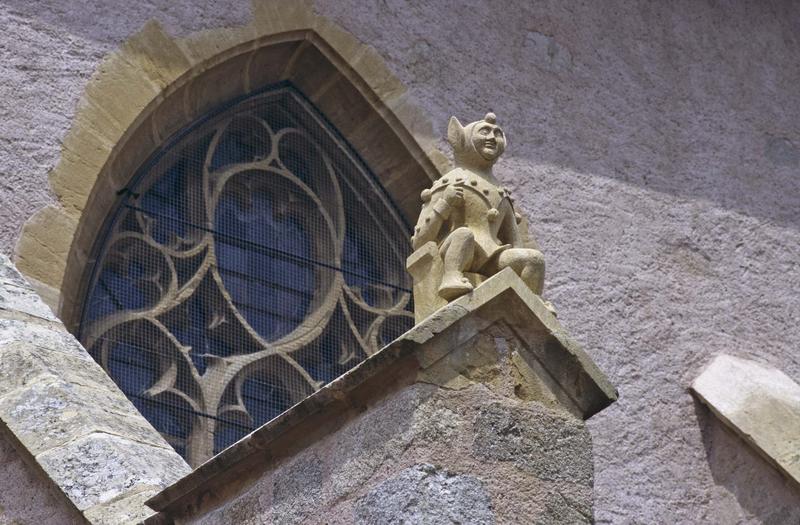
x=434, y=213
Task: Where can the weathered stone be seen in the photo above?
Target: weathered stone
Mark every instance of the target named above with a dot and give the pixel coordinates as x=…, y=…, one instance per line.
x=27, y=495
x=53, y=337
x=98, y=468
x=565, y=374
x=42, y=362
x=23, y=299
x=426, y=495
x=549, y=445
x=127, y=509
x=760, y=404
x=53, y=411
x=68, y=414
x=379, y=436
x=44, y=246
x=9, y=274
x=296, y=488
x=561, y=508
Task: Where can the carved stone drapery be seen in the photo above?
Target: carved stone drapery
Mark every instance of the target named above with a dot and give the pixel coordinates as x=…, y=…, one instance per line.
x=250, y=262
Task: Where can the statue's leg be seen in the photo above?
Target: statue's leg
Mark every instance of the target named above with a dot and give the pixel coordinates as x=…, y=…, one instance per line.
x=457, y=252
x=527, y=263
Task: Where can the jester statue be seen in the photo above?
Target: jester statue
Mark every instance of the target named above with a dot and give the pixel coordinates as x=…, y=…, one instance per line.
x=468, y=229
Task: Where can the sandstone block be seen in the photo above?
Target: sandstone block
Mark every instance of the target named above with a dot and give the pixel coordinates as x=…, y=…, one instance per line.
x=760, y=404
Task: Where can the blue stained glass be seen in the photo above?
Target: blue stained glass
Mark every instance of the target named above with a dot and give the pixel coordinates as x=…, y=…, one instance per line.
x=254, y=259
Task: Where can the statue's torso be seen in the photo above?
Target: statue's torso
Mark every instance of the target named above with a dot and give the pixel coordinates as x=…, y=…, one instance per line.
x=486, y=208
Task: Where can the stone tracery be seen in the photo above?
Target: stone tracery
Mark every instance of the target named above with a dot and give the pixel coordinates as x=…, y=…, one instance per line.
x=258, y=262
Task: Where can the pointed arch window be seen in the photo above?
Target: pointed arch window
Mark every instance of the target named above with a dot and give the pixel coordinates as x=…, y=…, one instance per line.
x=251, y=260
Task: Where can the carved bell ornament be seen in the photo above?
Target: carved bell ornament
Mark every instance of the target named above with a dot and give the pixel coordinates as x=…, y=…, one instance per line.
x=468, y=229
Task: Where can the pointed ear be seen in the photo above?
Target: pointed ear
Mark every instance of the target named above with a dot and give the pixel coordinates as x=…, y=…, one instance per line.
x=455, y=133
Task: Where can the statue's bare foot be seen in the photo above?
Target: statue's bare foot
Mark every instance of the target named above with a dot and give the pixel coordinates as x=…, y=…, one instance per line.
x=454, y=284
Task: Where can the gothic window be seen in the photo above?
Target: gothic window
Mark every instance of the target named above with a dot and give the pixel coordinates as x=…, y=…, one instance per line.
x=252, y=259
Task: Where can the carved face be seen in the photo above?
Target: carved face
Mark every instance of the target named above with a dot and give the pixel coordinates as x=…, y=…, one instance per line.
x=488, y=140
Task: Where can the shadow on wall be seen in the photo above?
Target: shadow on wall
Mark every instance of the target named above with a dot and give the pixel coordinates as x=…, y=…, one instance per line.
x=108, y=23
x=759, y=489
x=660, y=105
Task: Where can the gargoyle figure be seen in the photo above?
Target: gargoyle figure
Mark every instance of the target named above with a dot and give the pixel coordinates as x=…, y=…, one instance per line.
x=471, y=218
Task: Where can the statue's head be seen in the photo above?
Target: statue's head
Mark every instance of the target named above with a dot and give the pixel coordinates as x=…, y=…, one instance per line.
x=477, y=145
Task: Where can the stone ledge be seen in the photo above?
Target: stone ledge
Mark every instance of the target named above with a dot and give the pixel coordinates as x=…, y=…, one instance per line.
x=443, y=351
x=69, y=418
x=101, y=468
x=760, y=404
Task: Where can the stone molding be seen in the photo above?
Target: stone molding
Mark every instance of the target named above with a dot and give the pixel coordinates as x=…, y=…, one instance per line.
x=759, y=404
x=444, y=351
x=155, y=85
x=70, y=418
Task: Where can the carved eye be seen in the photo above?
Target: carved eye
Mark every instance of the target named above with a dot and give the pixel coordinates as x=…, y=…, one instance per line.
x=484, y=131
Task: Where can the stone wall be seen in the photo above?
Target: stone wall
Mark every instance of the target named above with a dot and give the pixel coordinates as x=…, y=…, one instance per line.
x=26, y=494
x=654, y=147
x=429, y=455
x=73, y=429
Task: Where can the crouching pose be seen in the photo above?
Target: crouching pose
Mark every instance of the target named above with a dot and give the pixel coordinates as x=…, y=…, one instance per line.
x=471, y=217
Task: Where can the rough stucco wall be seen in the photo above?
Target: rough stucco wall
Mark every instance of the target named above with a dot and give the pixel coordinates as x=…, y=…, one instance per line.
x=655, y=147
x=48, y=51
x=26, y=496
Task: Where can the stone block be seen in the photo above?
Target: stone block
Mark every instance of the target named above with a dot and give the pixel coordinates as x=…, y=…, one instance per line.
x=296, y=489
x=53, y=337
x=99, y=468
x=121, y=88
x=426, y=494
x=560, y=364
x=66, y=412
x=9, y=274
x=547, y=444
x=156, y=54
x=52, y=411
x=127, y=509
x=24, y=363
x=45, y=243
x=760, y=404
x=22, y=299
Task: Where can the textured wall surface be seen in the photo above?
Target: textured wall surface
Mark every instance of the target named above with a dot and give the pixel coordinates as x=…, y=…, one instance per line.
x=26, y=496
x=48, y=51
x=655, y=147
x=70, y=417
x=431, y=455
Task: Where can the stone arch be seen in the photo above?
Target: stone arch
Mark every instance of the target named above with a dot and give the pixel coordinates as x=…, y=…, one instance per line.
x=156, y=85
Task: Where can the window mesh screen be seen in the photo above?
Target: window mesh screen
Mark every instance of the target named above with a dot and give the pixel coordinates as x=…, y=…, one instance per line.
x=253, y=260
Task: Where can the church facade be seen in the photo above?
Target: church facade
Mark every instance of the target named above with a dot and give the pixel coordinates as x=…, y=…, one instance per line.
x=206, y=212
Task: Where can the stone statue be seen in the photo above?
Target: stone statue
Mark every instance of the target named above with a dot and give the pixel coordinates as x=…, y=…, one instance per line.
x=468, y=229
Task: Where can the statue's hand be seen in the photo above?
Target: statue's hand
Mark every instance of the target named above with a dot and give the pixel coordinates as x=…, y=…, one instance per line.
x=454, y=196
